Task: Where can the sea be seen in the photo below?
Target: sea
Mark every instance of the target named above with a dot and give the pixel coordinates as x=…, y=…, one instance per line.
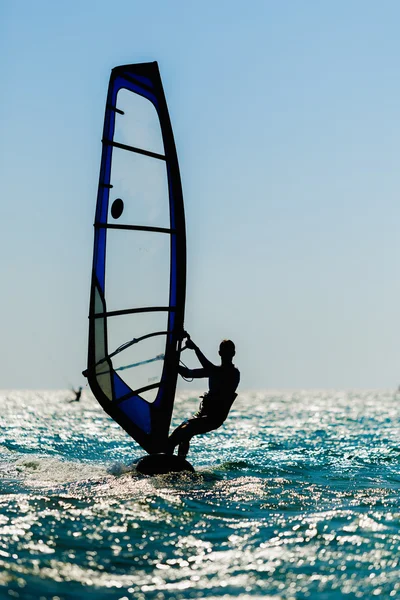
x=296, y=496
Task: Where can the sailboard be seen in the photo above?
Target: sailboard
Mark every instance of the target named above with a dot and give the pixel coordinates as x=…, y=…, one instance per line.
x=137, y=297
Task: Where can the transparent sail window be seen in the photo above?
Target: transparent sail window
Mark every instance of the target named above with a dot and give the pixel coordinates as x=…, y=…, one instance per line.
x=137, y=269
x=139, y=126
x=141, y=183
x=141, y=363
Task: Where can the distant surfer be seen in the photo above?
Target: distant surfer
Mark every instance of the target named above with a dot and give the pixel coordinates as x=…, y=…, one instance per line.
x=216, y=403
x=78, y=394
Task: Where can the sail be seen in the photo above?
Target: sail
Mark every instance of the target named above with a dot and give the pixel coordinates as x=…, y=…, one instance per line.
x=139, y=262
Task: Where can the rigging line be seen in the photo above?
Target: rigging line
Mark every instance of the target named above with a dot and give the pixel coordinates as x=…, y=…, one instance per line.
x=186, y=367
x=133, y=149
x=130, y=343
x=138, y=364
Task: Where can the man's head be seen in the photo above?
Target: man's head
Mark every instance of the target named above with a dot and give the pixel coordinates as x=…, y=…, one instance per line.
x=227, y=349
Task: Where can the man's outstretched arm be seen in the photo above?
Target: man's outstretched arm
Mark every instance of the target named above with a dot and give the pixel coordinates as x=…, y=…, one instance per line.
x=193, y=373
x=205, y=363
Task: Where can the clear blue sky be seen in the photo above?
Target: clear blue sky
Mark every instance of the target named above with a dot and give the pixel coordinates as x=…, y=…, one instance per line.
x=286, y=118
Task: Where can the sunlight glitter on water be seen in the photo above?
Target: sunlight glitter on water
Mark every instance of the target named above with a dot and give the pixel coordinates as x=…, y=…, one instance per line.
x=301, y=501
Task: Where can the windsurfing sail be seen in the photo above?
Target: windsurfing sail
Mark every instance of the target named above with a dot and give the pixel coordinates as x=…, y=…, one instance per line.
x=137, y=297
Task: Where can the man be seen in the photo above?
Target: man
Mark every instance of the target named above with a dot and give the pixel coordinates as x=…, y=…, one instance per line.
x=216, y=403
x=78, y=395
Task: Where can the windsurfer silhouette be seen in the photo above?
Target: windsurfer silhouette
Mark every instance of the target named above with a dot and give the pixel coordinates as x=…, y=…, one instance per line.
x=216, y=403
x=78, y=395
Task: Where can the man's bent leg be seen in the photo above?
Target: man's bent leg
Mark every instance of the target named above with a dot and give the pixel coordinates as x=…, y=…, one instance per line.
x=176, y=437
x=183, y=448
x=184, y=433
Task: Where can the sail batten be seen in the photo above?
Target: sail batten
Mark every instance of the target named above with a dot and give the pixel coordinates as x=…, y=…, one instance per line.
x=138, y=276
x=134, y=227
x=133, y=149
x=131, y=311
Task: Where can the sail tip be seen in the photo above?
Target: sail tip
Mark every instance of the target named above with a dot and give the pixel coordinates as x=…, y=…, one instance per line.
x=136, y=66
